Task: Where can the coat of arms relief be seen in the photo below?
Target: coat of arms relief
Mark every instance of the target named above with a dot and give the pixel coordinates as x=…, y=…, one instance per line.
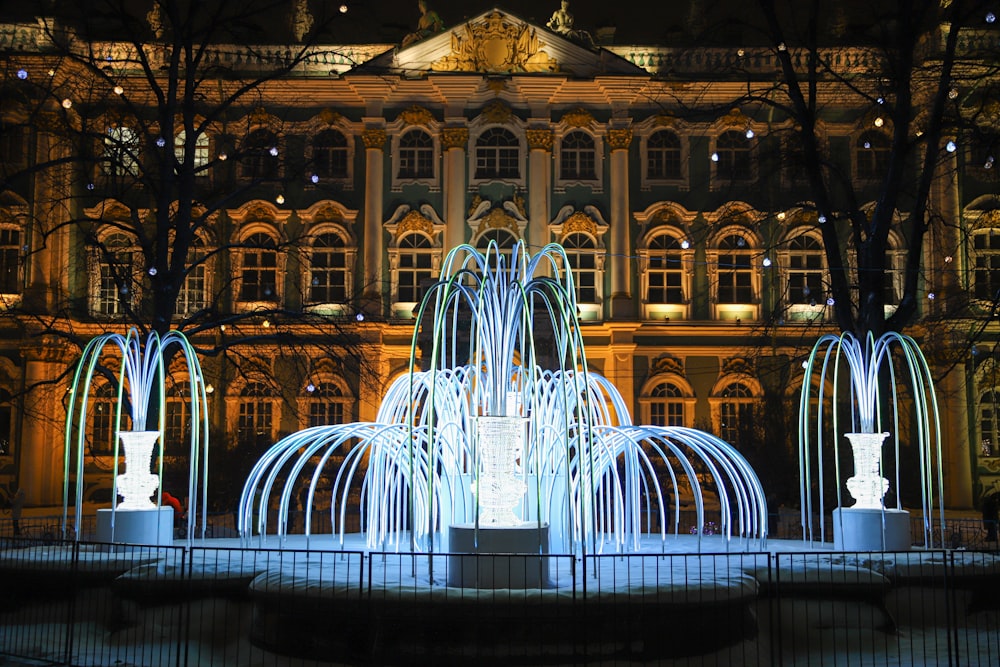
x=496, y=45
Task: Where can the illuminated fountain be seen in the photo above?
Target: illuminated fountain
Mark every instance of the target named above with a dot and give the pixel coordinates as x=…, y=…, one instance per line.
x=841, y=373
x=499, y=433
x=141, y=372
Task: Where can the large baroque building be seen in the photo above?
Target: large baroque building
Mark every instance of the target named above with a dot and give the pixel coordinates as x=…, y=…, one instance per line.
x=700, y=273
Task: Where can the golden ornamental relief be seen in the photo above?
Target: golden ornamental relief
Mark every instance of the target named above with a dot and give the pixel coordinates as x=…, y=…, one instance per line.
x=416, y=115
x=579, y=222
x=454, y=137
x=498, y=219
x=329, y=116
x=259, y=213
x=373, y=138
x=663, y=120
x=414, y=221
x=577, y=118
x=737, y=366
x=619, y=139
x=539, y=139
x=496, y=85
x=668, y=364
x=735, y=118
x=496, y=45
x=496, y=112
x=988, y=220
x=328, y=214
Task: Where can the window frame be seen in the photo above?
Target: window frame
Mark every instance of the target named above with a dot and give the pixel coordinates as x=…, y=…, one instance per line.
x=515, y=154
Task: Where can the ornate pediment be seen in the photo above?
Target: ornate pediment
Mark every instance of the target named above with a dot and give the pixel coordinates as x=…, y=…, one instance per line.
x=496, y=44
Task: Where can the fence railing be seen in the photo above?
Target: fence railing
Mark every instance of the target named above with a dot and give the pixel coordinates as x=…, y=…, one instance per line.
x=66, y=603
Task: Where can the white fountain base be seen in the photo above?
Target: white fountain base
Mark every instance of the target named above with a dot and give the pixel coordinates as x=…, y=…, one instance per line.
x=505, y=557
x=863, y=530
x=152, y=526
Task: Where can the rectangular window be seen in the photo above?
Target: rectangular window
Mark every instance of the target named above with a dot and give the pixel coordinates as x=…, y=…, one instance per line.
x=254, y=424
x=10, y=256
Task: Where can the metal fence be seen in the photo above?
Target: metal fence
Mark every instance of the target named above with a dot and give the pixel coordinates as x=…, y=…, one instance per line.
x=99, y=604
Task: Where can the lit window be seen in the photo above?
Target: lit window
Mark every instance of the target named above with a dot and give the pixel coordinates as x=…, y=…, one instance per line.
x=327, y=405
x=665, y=273
x=667, y=405
x=986, y=279
x=733, y=151
x=328, y=270
x=200, y=151
x=577, y=157
x=253, y=428
x=177, y=418
x=10, y=260
x=735, y=274
x=415, y=266
x=329, y=154
x=101, y=411
x=582, y=253
x=872, y=151
x=260, y=269
x=116, y=280
x=416, y=155
x=497, y=154
x=663, y=156
x=193, y=295
x=260, y=155
x=805, y=271
x=121, y=152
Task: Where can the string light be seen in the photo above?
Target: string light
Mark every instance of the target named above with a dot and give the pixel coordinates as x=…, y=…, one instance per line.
x=950, y=147
x=343, y=9
x=273, y=151
x=781, y=215
x=280, y=199
x=360, y=317
x=67, y=103
x=314, y=178
x=223, y=157
x=879, y=122
x=830, y=301
x=22, y=74
x=930, y=296
x=953, y=93
x=310, y=387
x=749, y=133
x=685, y=244
x=152, y=270
x=119, y=90
x=822, y=219
x=161, y=142
x=782, y=47
x=947, y=259
x=766, y=262
x=990, y=17
x=266, y=323
x=715, y=157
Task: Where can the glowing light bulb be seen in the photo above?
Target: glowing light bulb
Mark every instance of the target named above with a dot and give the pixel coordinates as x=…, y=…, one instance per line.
x=782, y=47
x=931, y=296
x=152, y=270
x=314, y=178
x=280, y=199
x=953, y=93
x=879, y=122
x=990, y=17
x=273, y=151
x=767, y=261
x=119, y=90
x=266, y=324
x=740, y=52
x=161, y=142
x=880, y=100
x=360, y=317
x=310, y=387
x=749, y=133
x=822, y=219
x=223, y=156
x=715, y=157
x=22, y=74
x=805, y=364
x=52, y=72
x=948, y=259
x=867, y=144
x=950, y=147
x=209, y=389
x=781, y=215
x=90, y=186
x=67, y=103
x=830, y=301
x=343, y=9
x=685, y=244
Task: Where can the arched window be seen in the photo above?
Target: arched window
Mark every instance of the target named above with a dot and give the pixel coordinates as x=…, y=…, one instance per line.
x=416, y=155
x=665, y=272
x=260, y=155
x=416, y=259
x=989, y=424
x=577, y=157
x=735, y=271
x=101, y=411
x=663, y=156
x=259, y=274
x=193, y=295
x=805, y=271
x=254, y=422
x=121, y=152
x=329, y=154
x=10, y=260
x=115, y=275
x=200, y=151
x=498, y=154
x=326, y=404
x=986, y=275
x=582, y=253
x=666, y=407
x=872, y=154
x=733, y=161
x=177, y=419
x=735, y=411
x=328, y=269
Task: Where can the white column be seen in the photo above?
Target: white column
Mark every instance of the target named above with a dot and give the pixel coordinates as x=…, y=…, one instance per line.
x=621, y=300
x=539, y=188
x=374, y=140
x=453, y=142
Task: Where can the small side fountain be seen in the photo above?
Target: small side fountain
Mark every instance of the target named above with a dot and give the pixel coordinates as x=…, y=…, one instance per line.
x=137, y=519
x=868, y=524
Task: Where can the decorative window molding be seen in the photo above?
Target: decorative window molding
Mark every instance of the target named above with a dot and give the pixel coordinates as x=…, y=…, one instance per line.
x=870, y=155
x=258, y=259
x=261, y=155
x=666, y=269
x=415, y=255
x=325, y=399
x=329, y=253
x=664, y=153
x=13, y=251
x=731, y=403
x=253, y=412
x=734, y=151
x=497, y=148
x=803, y=275
x=667, y=399
x=735, y=281
x=415, y=149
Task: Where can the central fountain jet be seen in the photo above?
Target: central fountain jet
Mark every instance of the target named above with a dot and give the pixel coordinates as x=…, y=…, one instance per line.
x=499, y=425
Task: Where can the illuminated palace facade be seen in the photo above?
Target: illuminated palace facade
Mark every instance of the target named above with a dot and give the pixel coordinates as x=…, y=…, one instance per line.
x=699, y=271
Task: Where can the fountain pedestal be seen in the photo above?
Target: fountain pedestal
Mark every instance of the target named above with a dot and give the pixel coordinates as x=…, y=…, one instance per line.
x=148, y=526
x=857, y=529
x=503, y=557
